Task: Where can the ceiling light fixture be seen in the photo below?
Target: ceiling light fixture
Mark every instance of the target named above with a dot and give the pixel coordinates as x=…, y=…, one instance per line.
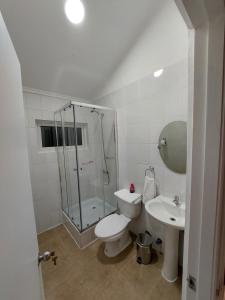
x=158, y=73
x=74, y=10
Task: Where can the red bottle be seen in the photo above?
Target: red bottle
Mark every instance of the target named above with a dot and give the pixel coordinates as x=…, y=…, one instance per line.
x=132, y=188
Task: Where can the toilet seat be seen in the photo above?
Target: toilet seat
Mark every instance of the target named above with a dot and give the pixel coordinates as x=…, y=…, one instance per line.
x=113, y=230
x=110, y=226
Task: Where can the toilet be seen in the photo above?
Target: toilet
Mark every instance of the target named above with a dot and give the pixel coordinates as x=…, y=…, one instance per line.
x=113, y=229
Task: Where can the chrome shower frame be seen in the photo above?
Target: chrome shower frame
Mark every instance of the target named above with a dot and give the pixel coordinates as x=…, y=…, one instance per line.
x=95, y=107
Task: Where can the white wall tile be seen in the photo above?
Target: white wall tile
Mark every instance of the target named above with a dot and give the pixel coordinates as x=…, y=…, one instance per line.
x=174, y=183
x=148, y=105
x=32, y=137
x=139, y=153
x=32, y=101
x=156, y=128
x=138, y=133
x=37, y=158
x=51, y=156
x=156, y=159
x=43, y=163
x=33, y=115
x=47, y=103
x=47, y=115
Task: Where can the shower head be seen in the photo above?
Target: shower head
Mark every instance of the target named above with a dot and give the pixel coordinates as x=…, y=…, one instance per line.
x=94, y=110
x=97, y=112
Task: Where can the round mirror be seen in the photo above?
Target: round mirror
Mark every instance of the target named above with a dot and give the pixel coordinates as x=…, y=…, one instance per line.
x=173, y=146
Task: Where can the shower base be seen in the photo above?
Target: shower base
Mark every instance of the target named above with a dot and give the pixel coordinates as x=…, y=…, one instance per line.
x=93, y=211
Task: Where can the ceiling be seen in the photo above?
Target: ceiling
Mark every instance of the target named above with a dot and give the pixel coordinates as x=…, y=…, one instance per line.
x=57, y=56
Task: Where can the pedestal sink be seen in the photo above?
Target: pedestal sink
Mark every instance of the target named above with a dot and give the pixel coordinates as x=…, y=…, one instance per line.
x=173, y=217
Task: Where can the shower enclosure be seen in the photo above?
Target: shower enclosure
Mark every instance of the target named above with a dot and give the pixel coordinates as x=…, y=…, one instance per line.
x=87, y=160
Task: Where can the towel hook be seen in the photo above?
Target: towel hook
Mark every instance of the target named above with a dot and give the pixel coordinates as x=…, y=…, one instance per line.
x=150, y=169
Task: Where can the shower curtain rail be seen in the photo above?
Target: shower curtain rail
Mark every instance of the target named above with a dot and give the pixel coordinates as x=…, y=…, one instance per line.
x=82, y=104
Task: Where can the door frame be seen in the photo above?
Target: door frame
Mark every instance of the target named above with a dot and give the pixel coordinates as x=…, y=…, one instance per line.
x=219, y=262
x=205, y=21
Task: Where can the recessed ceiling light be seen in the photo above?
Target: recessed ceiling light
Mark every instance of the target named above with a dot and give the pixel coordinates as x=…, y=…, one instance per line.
x=158, y=73
x=74, y=10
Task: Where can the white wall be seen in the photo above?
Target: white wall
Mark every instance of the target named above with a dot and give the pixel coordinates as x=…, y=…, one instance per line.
x=43, y=163
x=146, y=104
x=164, y=42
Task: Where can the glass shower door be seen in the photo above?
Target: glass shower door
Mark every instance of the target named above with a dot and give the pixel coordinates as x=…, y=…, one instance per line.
x=109, y=156
x=87, y=157
x=61, y=163
x=97, y=163
x=71, y=165
x=91, y=175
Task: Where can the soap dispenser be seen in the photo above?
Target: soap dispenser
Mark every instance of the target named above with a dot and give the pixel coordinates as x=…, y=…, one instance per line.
x=132, y=188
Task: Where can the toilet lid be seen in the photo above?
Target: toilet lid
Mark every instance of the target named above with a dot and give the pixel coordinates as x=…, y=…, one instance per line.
x=111, y=225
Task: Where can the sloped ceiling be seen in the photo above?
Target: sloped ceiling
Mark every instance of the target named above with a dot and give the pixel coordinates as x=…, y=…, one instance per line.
x=57, y=56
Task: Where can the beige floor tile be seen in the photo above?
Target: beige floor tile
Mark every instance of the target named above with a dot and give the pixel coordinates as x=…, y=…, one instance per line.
x=89, y=275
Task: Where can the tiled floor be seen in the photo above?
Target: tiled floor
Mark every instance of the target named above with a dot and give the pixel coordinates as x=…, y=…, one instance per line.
x=88, y=274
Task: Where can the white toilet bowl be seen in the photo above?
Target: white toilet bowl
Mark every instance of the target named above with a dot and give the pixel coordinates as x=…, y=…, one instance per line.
x=113, y=230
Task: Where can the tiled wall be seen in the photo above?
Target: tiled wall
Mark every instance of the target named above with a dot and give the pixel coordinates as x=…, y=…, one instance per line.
x=144, y=108
x=43, y=163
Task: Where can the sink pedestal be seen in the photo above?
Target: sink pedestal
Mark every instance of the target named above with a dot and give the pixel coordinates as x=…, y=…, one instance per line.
x=170, y=263
x=172, y=216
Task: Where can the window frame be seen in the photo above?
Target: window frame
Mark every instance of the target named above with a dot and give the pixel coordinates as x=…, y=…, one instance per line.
x=83, y=126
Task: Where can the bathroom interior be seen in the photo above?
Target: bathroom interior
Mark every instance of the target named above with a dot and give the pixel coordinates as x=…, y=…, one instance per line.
x=106, y=106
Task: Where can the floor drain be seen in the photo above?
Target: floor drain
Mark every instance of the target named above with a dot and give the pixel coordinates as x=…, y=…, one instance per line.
x=93, y=207
x=172, y=219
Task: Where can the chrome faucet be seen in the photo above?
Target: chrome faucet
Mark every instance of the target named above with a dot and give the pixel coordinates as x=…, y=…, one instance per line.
x=176, y=200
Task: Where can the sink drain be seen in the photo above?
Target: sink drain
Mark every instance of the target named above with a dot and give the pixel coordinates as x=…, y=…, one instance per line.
x=172, y=219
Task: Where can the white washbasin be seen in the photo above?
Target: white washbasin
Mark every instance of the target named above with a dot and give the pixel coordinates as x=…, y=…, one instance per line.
x=164, y=210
